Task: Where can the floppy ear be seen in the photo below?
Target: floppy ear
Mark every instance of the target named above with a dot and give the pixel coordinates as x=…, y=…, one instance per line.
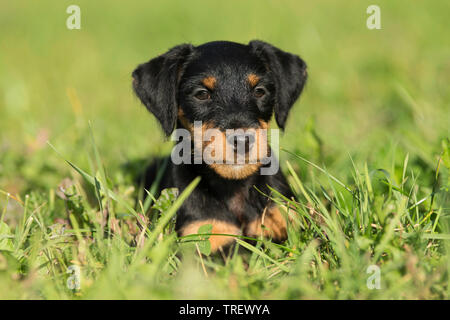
x=290, y=76
x=156, y=83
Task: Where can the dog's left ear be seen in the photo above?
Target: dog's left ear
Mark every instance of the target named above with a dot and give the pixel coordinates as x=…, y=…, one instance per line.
x=156, y=83
x=290, y=75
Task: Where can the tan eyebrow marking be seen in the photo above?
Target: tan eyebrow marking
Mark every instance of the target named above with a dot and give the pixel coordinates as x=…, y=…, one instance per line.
x=253, y=79
x=209, y=82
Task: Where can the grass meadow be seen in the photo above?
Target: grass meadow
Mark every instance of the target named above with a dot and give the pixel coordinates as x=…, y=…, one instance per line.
x=366, y=151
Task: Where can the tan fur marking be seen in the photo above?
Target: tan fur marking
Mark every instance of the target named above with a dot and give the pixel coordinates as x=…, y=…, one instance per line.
x=263, y=124
x=218, y=227
x=218, y=148
x=274, y=222
x=209, y=82
x=184, y=122
x=262, y=145
x=228, y=172
x=253, y=79
x=252, y=160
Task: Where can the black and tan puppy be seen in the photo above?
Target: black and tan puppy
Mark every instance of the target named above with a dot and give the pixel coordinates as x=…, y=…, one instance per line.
x=224, y=85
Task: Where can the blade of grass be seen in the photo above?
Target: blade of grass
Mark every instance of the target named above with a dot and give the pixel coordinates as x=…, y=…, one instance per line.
x=261, y=254
x=164, y=220
x=92, y=181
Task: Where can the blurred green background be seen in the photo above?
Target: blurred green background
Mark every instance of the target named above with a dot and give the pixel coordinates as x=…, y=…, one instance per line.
x=370, y=92
x=373, y=97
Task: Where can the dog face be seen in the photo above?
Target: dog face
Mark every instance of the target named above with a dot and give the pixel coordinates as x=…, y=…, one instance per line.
x=225, y=86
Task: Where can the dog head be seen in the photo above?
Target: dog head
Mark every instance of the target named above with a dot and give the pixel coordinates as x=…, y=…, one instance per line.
x=225, y=86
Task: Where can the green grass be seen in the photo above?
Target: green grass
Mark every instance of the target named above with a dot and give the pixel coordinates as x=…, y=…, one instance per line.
x=366, y=151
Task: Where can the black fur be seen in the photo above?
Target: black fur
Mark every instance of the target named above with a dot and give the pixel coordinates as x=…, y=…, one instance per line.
x=289, y=74
x=211, y=197
x=155, y=83
x=171, y=81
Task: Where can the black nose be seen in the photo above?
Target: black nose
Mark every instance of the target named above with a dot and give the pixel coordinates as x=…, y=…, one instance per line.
x=241, y=142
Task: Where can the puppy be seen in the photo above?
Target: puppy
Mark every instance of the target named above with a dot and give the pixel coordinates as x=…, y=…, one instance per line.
x=231, y=90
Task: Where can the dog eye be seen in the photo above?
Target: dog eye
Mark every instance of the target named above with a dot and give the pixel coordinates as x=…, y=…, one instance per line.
x=259, y=92
x=202, y=95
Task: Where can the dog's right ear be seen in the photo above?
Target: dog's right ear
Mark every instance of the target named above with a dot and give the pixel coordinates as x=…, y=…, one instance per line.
x=156, y=83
